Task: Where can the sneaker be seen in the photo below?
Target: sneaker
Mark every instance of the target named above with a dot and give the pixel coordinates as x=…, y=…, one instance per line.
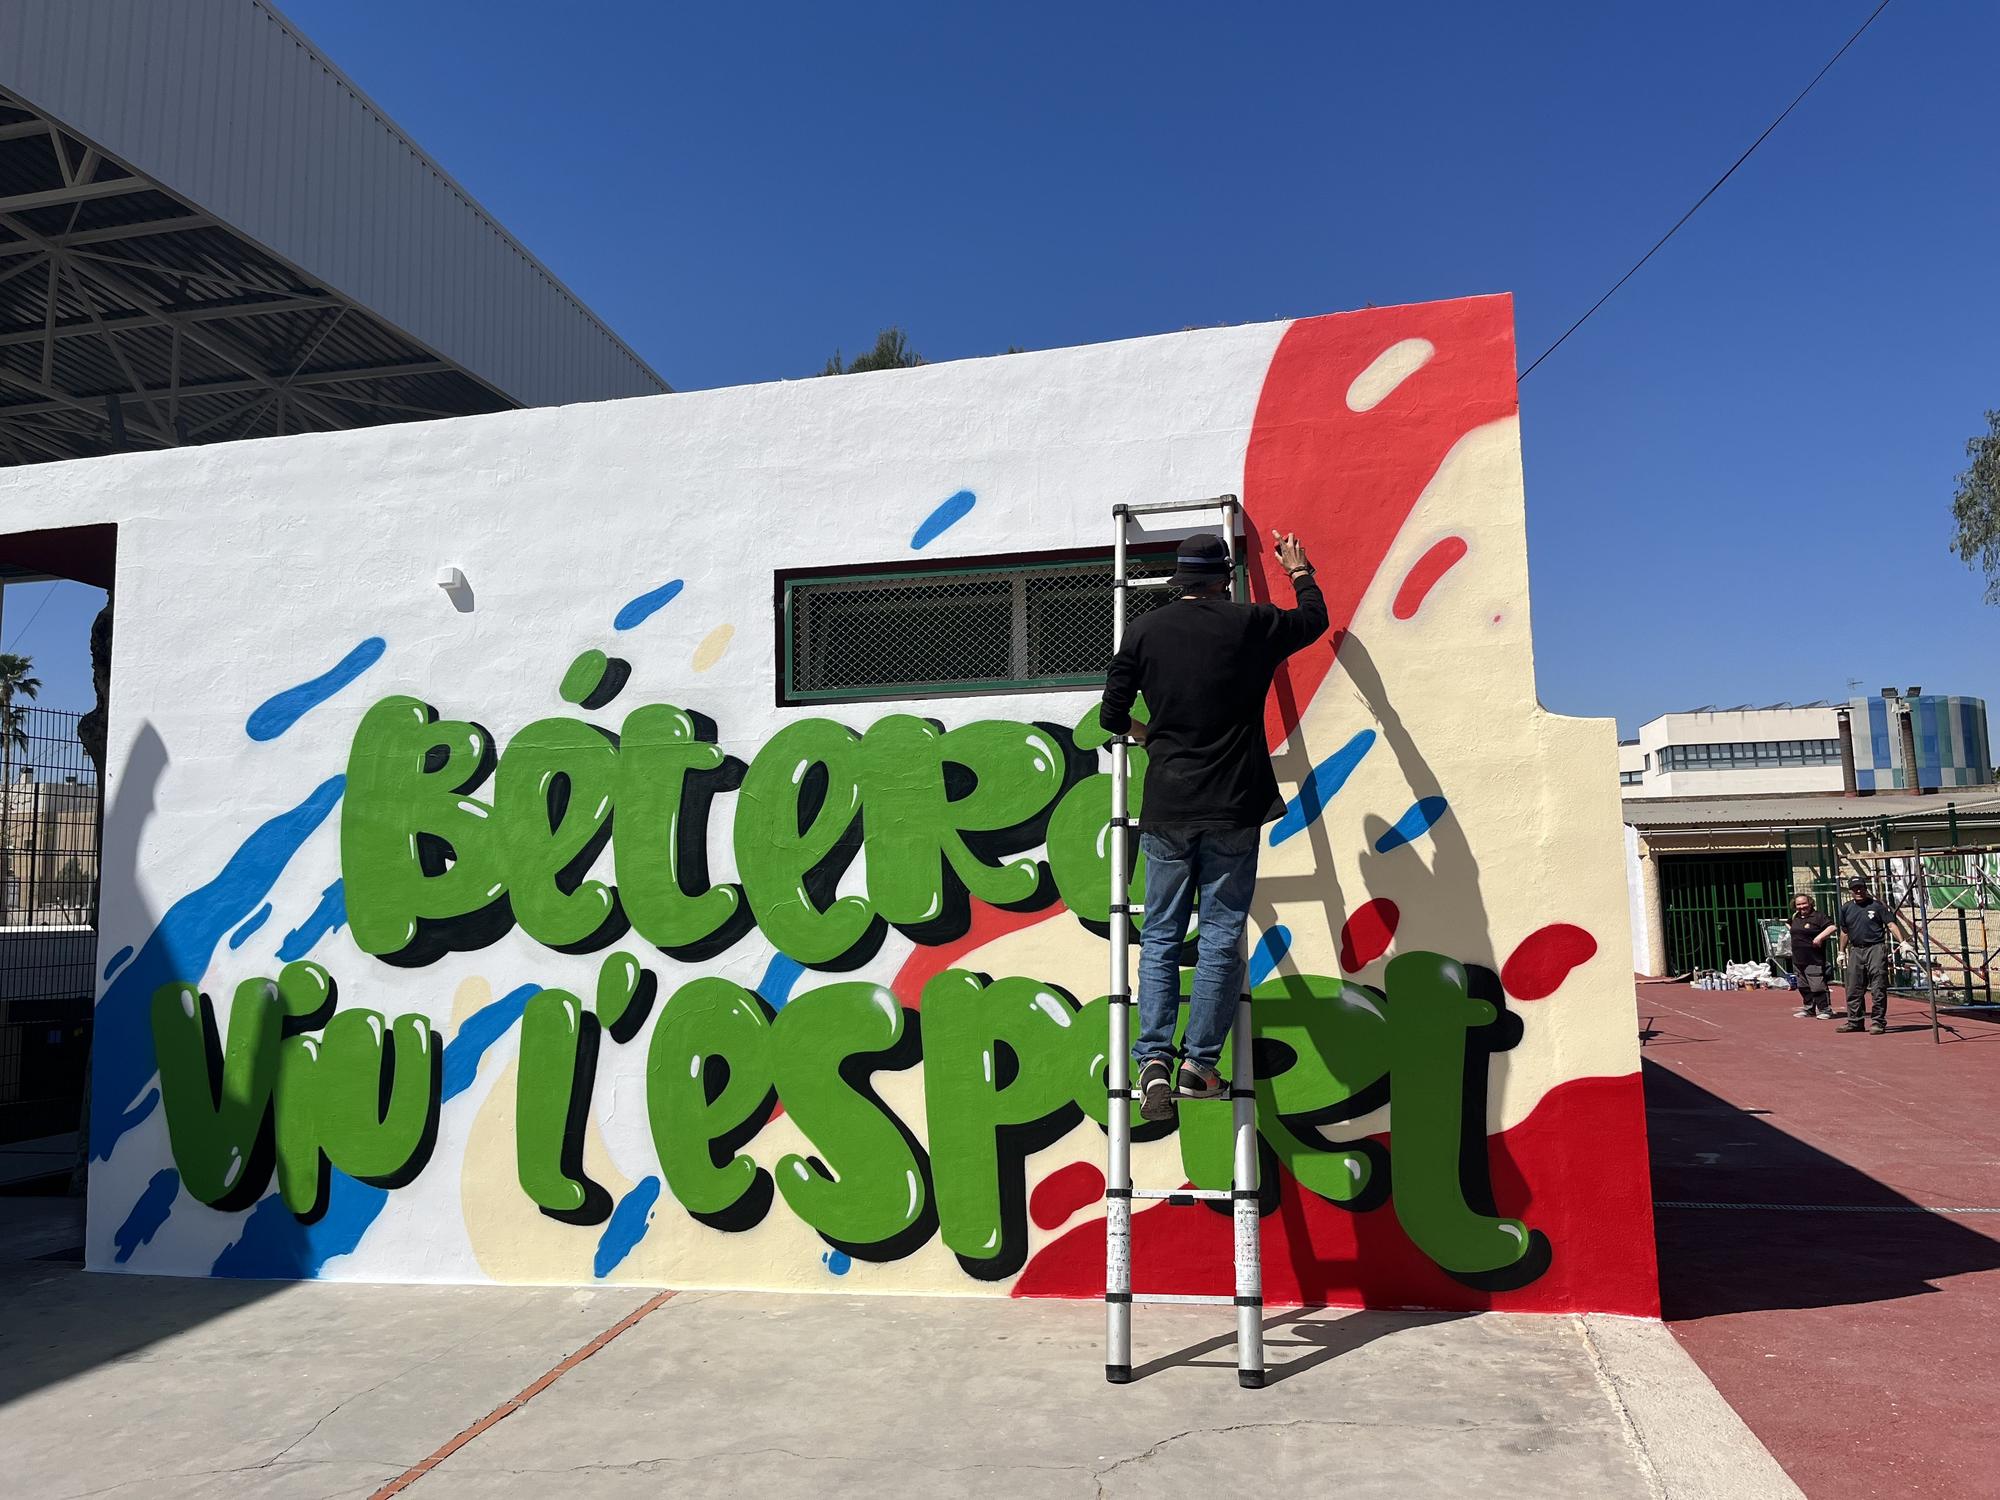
x=1808, y=1011
x=1824, y=1015
x=1156, y=1090
x=1848, y=1026
x=1878, y=1028
x=1199, y=1082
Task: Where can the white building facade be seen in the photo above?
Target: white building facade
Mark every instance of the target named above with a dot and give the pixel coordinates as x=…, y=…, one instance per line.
x=1796, y=748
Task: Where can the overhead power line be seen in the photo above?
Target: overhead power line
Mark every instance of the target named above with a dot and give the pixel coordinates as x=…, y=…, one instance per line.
x=43, y=604
x=1711, y=191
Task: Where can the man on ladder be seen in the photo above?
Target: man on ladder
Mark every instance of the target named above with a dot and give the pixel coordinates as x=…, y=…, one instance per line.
x=1204, y=664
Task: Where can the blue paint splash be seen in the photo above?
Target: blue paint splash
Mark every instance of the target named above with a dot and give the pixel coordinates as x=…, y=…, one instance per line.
x=776, y=985
x=1413, y=824
x=134, y=1117
x=481, y=1030
x=275, y=715
x=941, y=520
x=118, y=960
x=330, y=914
x=641, y=608
x=242, y=934
x=1270, y=951
x=626, y=1227
x=180, y=948
x=1327, y=778
x=147, y=1215
x=836, y=1261
x=275, y=1246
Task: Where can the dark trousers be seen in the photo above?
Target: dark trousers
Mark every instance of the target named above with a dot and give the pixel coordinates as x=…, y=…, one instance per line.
x=1812, y=983
x=1868, y=968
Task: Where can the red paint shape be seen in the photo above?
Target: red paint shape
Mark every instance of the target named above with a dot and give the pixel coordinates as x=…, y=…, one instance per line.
x=1575, y=1169
x=1063, y=1192
x=1346, y=481
x=1423, y=576
x=1538, y=967
x=1365, y=936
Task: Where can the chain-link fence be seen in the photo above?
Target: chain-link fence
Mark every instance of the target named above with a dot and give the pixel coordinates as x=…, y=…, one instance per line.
x=966, y=629
x=48, y=920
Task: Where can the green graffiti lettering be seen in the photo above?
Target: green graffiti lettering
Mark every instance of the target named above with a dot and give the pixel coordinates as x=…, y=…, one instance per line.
x=668, y=774
x=996, y=1090
x=709, y=1090
x=867, y=1188
x=363, y=1097
x=1080, y=829
x=552, y=817
x=1322, y=1054
x=218, y=1104
x=422, y=866
x=1431, y=1018
x=552, y=1108
x=940, y=803
x=798, y=826
x=624, y=995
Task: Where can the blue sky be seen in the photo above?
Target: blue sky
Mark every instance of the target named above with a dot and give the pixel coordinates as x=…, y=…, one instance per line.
x=1739, y=473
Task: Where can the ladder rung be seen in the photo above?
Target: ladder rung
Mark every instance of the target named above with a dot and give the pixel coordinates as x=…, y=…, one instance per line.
x=1181, y=1299
x=1128, y=908
x=1184, y=1195
x=1219, y=502
x=1143, y=583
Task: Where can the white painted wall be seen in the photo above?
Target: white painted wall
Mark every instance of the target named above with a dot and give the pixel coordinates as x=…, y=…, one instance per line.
x=246, y=569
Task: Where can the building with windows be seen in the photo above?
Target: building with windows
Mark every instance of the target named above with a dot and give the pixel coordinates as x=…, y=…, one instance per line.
x=1743, y=751
x=540, y=759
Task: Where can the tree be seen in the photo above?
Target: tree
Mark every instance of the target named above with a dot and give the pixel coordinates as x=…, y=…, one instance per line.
x=15, y=683
x=1976, y=507
x=892, y=351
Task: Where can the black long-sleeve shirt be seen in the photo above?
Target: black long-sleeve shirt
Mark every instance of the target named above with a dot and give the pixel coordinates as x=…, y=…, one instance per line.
x=1205, y=666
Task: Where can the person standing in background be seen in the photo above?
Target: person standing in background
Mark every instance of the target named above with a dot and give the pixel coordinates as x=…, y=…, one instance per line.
x=1811, y=927
x=1864, y=933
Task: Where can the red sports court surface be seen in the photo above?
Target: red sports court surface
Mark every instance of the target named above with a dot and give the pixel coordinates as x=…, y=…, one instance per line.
x=1857, y=1334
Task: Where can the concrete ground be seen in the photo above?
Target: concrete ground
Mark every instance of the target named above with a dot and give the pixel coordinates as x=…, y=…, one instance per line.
x=1817, y=1255
x=132, y=1386
x=45, y=1156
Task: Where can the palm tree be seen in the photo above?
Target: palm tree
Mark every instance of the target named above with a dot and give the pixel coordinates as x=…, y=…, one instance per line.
x=15, y=683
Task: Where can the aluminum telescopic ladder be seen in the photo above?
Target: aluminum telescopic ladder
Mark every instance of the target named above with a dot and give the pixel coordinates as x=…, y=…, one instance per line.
x=1119, y=1192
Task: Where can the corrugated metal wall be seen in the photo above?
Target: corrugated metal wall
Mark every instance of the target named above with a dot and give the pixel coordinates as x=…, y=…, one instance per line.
x=225, y=103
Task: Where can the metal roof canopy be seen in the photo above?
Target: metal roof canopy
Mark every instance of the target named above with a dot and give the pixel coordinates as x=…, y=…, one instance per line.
x=1779, y=809
x=208, y=232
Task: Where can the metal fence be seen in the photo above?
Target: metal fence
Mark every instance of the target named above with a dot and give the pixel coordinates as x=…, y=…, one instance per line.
x=49, y=821
x=1716, y=907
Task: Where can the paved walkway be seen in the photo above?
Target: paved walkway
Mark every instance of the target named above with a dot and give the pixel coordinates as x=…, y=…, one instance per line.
x=45, y=1156
x=132, y=1386
x=1854, y=1330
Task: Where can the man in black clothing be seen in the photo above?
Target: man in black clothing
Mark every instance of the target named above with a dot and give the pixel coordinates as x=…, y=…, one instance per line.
x=1205, y=664
x=1810, y=930
x=1864, y=933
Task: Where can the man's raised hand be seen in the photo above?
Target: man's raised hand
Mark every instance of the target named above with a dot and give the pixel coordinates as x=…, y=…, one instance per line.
x=1291, y=555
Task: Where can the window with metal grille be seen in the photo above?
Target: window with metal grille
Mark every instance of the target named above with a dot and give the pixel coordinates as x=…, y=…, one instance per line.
x=978, y=626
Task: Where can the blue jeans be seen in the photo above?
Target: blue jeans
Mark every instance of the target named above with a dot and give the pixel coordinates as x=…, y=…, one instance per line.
x=1218, y=866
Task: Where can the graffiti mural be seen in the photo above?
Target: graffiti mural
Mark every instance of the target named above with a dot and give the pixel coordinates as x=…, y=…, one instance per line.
x=537, y=941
